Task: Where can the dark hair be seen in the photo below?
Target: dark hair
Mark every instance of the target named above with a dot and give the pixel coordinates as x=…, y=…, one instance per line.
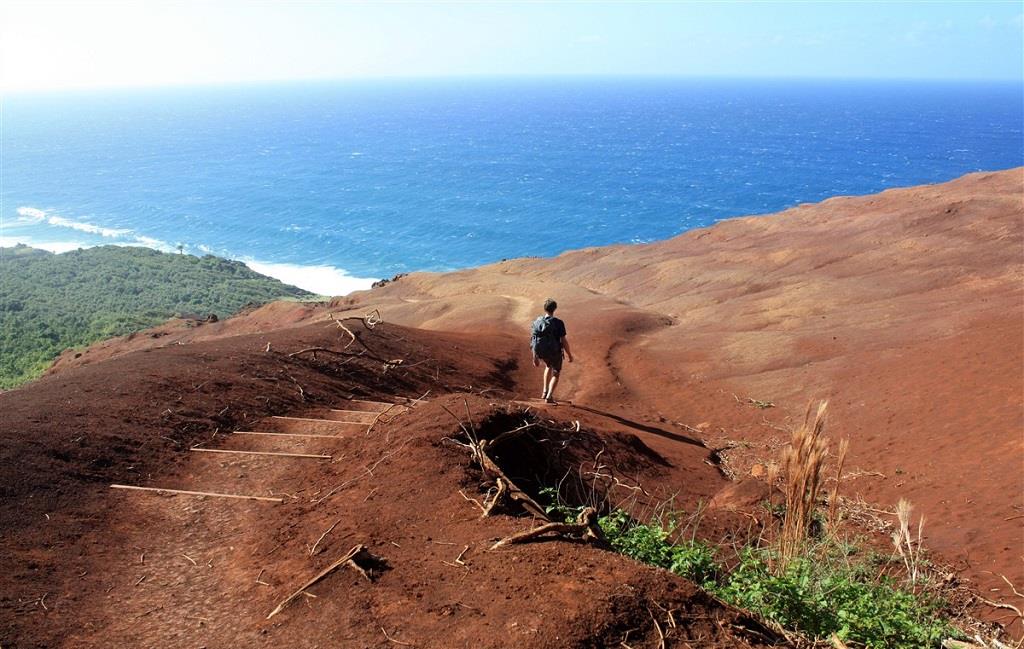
x=550, y=305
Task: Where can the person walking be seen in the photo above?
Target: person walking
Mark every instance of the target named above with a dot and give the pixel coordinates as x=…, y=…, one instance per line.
x=550, y=345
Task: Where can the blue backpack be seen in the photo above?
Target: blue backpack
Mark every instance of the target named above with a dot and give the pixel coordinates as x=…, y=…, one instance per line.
x=544, y=340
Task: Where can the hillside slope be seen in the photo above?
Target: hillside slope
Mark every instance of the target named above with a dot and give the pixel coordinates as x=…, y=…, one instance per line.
x=905, y=309
x=50, y=302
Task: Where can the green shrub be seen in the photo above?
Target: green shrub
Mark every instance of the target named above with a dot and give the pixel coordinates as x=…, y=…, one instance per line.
x=830, y=588
x=821, y=593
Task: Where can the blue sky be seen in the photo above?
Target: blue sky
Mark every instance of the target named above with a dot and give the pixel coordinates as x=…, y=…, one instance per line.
x=46, y=45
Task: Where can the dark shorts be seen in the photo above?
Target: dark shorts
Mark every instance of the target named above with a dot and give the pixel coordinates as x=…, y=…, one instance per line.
x=554, y=362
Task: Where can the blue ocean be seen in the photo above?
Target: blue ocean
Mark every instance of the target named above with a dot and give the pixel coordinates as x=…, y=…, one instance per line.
x=331, y=185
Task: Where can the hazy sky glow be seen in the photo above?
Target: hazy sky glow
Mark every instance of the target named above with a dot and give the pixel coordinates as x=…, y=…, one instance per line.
x=98, y=44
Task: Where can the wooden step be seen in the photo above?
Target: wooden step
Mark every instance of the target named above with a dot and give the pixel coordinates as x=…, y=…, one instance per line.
x=311, y=426
x=310, y=456
x=184, y=492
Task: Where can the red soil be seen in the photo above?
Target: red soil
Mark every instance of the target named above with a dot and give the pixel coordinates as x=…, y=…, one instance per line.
x=88, y=566
x=905, y=309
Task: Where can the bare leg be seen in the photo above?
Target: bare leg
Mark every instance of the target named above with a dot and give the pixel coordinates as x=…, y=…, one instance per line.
x=547, y=371
x=552, y=383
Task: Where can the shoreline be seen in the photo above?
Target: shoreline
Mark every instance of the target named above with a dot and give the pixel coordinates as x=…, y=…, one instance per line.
x=323, y=279
x=329, y=280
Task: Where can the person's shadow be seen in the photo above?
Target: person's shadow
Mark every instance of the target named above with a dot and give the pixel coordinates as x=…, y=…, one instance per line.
x=660, y=432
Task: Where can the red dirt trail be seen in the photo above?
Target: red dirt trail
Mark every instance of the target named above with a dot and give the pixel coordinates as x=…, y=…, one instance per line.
x=89, y=566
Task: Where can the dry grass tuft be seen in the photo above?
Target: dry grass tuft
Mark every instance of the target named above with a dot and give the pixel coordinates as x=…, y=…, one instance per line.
x=802, y=463
x=833, y=499
x=907, y=546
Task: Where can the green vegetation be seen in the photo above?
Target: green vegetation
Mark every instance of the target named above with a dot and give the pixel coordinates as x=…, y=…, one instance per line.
x=650, y=544
x=827, y=589
x=825, y=592
x=49, y=302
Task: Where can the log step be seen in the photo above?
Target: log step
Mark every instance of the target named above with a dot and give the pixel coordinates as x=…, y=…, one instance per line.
x=196, y=493
x=272, y=453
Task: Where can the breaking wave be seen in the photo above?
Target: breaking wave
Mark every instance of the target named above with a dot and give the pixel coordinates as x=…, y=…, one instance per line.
x=121, y=236
x=322, y=280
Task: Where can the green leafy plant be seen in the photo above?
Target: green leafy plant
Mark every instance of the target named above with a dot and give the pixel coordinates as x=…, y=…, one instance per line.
x=819, y=585
x=556, y=509
x=651, y=544
x=823, y=593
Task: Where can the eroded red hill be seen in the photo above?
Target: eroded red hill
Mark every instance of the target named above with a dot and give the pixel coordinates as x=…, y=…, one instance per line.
x=89, y=566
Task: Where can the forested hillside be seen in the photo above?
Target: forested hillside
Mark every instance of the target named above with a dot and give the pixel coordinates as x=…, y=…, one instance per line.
x=51, y=302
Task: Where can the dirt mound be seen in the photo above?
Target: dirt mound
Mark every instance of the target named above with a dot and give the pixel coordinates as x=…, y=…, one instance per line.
x=91, y=566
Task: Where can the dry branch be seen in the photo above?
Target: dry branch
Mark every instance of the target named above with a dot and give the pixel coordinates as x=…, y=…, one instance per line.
x=346, y=330
x=398, y=642
x=657, y=627
x=350, y=560
x=478, y=449
x=372, y=319
x=381, y=414
x=1009, y=607
x=322, y=350
x=837, y=642
x=584, y=529
x=509, y=434
x=474, y=501
x=312, y=550
x=415, y=402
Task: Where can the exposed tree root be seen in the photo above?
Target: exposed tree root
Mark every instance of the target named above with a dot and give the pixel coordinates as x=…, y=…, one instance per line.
x=584, y=529
x=490, y=467
x=502, y=490
x=506, y=487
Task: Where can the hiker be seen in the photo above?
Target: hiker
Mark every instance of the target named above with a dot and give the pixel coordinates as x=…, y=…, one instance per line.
x=549, y=344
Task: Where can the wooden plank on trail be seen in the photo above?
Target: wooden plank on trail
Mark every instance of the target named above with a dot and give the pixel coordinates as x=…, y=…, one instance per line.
x=254, y=432
x=321, y=421
x=195, y=493
x=376, y=403
x=260, y=452
x=354, y=412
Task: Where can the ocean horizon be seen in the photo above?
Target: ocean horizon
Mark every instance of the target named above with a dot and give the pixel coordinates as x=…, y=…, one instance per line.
x=332, y=185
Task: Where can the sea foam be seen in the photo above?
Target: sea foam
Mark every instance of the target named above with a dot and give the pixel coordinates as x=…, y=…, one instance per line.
x=322, y=280
x=121, y=236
